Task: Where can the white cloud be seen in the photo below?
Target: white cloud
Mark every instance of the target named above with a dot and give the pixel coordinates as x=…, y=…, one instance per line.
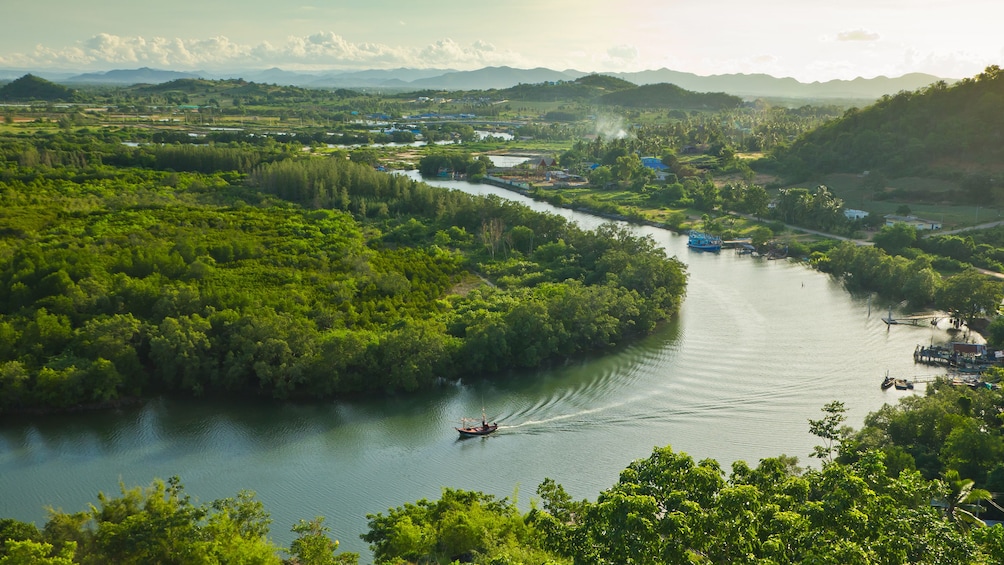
x=623, y=52
x=324, y=49
x=617, y=58
x=858, y=35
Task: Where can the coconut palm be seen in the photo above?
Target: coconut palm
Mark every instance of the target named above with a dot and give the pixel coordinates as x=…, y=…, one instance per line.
x=962, y=501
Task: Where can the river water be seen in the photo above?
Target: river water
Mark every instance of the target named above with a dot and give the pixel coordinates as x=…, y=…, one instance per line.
x=757, y=350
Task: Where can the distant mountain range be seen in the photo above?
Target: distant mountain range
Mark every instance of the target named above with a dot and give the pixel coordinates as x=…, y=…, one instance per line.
x=748, y=86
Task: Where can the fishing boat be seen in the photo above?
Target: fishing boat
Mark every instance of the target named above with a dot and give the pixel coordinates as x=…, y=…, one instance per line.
x=887, y=382
x=475, y=430
x=703, y=241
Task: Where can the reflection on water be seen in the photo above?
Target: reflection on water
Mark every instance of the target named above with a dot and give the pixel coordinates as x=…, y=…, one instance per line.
x=758, y=348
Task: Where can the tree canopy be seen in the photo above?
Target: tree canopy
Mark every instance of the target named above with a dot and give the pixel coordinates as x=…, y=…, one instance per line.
x=30, y=87
x=230, y=269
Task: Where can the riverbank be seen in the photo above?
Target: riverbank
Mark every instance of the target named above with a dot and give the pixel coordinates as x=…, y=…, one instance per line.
x=116, y=404
x=978, y=327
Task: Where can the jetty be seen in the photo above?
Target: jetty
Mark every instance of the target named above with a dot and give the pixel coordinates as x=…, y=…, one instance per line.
x=970, y=358
x=741, y=243
x=506, y=183
x=917, y=320
x=954, y=379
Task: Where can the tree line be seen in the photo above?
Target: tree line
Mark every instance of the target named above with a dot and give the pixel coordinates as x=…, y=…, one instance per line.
x=896, y=269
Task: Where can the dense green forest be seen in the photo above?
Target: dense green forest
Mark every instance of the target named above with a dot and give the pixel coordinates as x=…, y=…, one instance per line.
x=208, y=269
x=951, y=132
x=909, y=487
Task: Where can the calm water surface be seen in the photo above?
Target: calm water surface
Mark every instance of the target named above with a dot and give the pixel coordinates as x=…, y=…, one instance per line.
x=759, y=347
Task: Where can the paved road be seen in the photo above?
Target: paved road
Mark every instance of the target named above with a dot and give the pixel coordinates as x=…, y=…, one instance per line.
x=994, y=274
x=970, y=228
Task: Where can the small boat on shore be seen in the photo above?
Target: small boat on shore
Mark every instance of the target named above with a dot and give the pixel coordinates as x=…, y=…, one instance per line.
x=484, y=429
x=703, y=242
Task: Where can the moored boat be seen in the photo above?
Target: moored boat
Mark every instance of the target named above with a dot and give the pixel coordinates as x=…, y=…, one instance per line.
x=887, y=382
x=903, y=384
x=704, y=241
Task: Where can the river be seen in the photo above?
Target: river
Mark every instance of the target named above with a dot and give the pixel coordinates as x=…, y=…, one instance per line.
x=757, y=350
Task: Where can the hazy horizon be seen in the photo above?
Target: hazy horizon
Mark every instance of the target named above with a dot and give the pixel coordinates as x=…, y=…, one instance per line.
x=782, y=38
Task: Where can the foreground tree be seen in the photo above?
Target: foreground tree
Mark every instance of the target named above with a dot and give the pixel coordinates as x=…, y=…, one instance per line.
x=161, y=524
x=462, y=525
x=313, y=546
x=962, y=501
x=829, y=429
x=669, y=509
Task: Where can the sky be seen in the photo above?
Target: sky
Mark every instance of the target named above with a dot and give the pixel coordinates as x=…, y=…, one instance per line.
x=810, y=40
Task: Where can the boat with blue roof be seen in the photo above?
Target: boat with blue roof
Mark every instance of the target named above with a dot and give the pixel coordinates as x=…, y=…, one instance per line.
x=704, y=241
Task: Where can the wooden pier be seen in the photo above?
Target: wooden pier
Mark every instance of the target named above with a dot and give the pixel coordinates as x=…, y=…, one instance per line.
x=918, y=320
x=954, y=379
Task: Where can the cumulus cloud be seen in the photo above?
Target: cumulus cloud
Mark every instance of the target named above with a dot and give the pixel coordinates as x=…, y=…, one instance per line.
x=447, y=52
x=858, y=35
x=318, y=50
x=623, y=52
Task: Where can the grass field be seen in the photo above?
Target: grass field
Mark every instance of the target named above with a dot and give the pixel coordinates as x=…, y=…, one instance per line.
x=852, y=189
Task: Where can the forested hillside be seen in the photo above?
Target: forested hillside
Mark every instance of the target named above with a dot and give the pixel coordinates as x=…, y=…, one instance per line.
x=30, y=87
x=953, y=132
x=670, y=96
x=209, y=269
x=613, y=91
x=586, y=88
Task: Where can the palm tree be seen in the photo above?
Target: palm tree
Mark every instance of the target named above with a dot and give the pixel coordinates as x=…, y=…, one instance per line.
x=962, y=500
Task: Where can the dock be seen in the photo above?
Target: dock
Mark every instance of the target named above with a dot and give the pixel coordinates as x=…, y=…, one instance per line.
x=918, y=320
x=741, y=243
x=954, y=379
x=505, y=183
x=969, y=358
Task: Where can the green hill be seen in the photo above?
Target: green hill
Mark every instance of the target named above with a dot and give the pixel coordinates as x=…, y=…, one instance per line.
x=670, y=96
x=949, y=132
x=605, y=82
x=31, y=87
x=587, y=88
x=186, y=85
x=199, y=91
